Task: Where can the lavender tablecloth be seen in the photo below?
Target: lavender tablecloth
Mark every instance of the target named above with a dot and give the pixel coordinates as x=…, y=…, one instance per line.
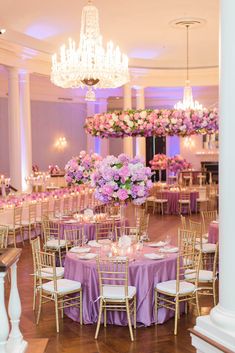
x=173, y=198
x=144, y=274
x=213, y=233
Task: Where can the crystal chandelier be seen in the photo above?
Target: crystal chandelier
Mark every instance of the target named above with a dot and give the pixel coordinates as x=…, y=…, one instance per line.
x=89, y=64
x=188, y=102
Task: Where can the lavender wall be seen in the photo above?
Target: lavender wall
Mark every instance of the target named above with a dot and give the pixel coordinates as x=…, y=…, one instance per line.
x=50, y=120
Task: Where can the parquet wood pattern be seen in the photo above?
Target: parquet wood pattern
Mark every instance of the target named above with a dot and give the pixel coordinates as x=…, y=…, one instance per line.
x=114, y=339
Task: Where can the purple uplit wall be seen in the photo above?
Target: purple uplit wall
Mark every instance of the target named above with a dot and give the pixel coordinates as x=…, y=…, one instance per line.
x=172, y=145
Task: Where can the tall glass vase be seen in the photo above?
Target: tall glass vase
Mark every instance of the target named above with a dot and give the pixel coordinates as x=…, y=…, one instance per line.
x=122, y=218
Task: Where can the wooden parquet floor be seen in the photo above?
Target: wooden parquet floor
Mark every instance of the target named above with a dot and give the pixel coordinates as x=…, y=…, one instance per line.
x=114, y=339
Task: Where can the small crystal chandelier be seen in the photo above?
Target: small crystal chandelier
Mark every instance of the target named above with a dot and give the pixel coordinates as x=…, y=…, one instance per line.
x=188, y=102
x=89, y=64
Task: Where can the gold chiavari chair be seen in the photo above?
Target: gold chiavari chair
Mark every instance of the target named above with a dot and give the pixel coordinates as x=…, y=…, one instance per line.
x=171, y=293
x=30, y=224
x=36, y=246
x=207, y=279
x=52, y=241
x=202, y=200
x=184, y=202
x=104, y=230
x=207, y=249
x=101, y=209
x=113, y=210
x=81, y=202
x=63, y=292
x=74, y=237
x=3, y=236
x=130, y=231
x=66, y=205
x=115, y=293
x=57, y=206
x=160, y=202
x=183, y=222
x=44, y=211
x=207, y=218
x=16, y=228
x=187, y=242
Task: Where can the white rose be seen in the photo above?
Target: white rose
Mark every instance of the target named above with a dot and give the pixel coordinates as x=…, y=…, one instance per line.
x=130, y=123
x=126, y=118
x=173, y=121
x=114, y=117
x=111, y=122
x=140, y=122
x=143, y=114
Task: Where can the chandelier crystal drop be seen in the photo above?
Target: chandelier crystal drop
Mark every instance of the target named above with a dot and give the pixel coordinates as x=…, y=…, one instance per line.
x=188, y=101
x=89, y=64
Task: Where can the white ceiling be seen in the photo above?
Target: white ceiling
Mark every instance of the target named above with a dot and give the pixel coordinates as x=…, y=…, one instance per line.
x=140, y=28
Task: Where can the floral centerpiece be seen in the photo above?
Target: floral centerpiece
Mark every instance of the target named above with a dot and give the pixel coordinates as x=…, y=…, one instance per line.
x=177, y=163
x=159, y=162
x=78, y=169
x=121, y=179
x=53, y=169
x=35, y=168
x=158, y=122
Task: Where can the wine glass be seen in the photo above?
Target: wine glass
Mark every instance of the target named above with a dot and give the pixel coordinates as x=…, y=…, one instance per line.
x=167, y=240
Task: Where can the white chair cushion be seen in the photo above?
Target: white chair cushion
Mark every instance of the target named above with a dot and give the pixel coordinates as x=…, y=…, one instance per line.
x=12, y=227
x=170, y=287
x=161, y=200
x=117, y=292
x=63, y=286
x=54, y=243
x=205, y=235
x=151, y=198
x=184, y=201
x=38, y=219
x=202, y=199
x=187, y=261
x=204, y=275
x=48, y=272
x=26, y=223
x=204, y=241
x=206, y=248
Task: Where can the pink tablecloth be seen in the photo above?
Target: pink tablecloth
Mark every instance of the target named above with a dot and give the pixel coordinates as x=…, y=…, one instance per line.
x=144, y=274
x=173, y=198
x=213, y=233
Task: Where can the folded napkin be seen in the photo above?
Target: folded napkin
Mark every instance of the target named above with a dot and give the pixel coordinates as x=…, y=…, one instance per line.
x=169, y=250
x=79, y=250
x=94, y=244
x=157, y=244
x=153, y=256
x=124, y=241
x=88, y=256
x=104, y=241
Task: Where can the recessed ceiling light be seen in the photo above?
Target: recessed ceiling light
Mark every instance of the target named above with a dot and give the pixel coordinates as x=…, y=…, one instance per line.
x=2, y=30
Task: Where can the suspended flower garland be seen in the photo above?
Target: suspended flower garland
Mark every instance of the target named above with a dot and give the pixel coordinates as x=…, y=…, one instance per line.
x=156, y=122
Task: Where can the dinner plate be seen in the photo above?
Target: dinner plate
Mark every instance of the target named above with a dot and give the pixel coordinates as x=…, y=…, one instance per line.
x=104, y=241
x=153, y=256
x=89, y=256
x=79, y=250
x=169, y=250
x=157, y=244
x=94, y=244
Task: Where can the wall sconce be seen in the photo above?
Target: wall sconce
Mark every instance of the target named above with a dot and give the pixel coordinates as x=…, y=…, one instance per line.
x=61, y=143
x=189, y=142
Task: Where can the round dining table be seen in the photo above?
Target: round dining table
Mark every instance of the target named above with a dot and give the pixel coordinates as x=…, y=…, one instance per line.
x=173, y=197
x=144, y=274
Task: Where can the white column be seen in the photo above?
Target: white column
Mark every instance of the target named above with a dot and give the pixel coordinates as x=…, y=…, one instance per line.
x=220, y=324
x=140, y=141
x=127, y=141
x=4, y=324
x=14, y=128
x=90, y=139
x=104, y=143
x=15, y=342
x=26, y=134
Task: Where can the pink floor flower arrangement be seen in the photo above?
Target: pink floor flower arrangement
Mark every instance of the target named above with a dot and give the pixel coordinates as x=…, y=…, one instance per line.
x=121, y=179
x=159, y=162
x=158, y=122
x=177, y=164
x=78, y=170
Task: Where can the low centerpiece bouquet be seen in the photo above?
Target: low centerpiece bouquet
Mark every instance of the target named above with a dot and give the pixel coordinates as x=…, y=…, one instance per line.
x=121, y=179
x=78, y=170
x=53, y=169
x=159, y=162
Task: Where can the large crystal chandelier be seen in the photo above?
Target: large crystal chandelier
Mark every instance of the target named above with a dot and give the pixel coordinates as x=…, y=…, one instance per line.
x=89, y=64
x=188, y=102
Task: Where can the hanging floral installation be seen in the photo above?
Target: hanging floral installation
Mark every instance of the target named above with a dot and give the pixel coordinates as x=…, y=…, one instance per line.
x=158, y=122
